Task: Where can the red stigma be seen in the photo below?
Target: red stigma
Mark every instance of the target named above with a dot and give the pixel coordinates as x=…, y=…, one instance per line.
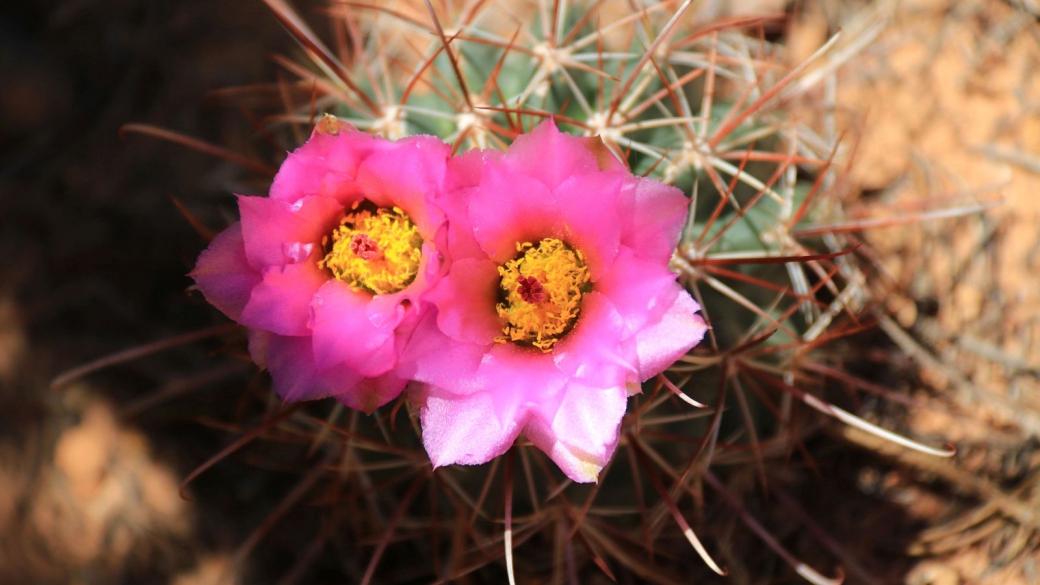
x=530, y=290
x=364, y=246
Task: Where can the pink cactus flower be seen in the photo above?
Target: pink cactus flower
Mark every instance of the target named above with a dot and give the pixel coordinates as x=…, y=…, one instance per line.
x=327, y=273
x=557, y=304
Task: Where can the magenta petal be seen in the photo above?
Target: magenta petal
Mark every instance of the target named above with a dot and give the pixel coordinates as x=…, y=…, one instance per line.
x=432, y=265
x=290, y=360
x=385, y=311
x=296, y=377
x=346, y=150
x=257, y=341
x=660, y=344
x=506, y=209
x=637, y=288
x=513, y=378
x=279, y=232
x=223, y=275
x=343, y=333
x=457, y=240
x=432, y=357
x=652, y=218
x=464, y=429
x=299, y=176
x=588, y=207
x=464, y=170
x=371, y=393
x=592, y=352
x=465, y=299
x=582, y=432
x=518, y=376
x=551, y=156
x=405, y=176
x=281, y=303
x=326, y=164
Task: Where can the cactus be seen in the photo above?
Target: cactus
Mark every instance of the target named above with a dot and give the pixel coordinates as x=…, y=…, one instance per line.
x=703, y=105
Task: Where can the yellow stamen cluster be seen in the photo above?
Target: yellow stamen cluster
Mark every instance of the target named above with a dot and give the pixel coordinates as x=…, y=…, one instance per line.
x=375, y=251
x=541, y=290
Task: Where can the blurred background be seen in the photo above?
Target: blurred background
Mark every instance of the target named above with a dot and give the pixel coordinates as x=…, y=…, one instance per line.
x=94, y=249
x=95, y=257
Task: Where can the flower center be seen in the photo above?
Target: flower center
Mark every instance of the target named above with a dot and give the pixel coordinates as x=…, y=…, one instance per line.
x=541, y=292
x=374, y=250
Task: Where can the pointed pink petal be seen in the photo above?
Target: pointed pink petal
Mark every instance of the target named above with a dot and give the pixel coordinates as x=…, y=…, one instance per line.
x=295, y=377
x=344, y=334
x=580, y=433
x=463, y=429
x=592, y=351
x=456, y=239
x=278, y=232
x=281, y=303
x=257, y=342
x=517, y=377
x=661, y=343
x=223, y=275
x=551, y=156
x=325, y=165
x=409, y=175
x=432, y=357
x=371, y=393
x=301, y=176
x=639, y=289
x=588, y=208
x=290, y=360
x=465, y=299
x=432, y=268
x=506, y=209
x=385, y=311
x=464, y=170
x=652, y=218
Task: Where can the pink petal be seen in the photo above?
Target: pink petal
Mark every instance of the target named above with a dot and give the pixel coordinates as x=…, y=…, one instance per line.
x=296, y=377
x=432, y=357
x=464, y=175
x=465, y=299
x=325, y=165
x=432, y=266
x=408, y=175
x=223, y=275
x=257, y=342
x=551, y=156
x=275, y=231
x=300, y=176
x=588, y=208
x=385, y=311
x=637, y=288
x=344, y=334
x=519, y=377
x=290, y=360
x=652, y=218
x=592, y=351
x=506, y=209
x=464, y=170
x=661, y=343
x=580, y=432
x=457, y=240
x=463, y=429
x=281, y=303
x=371, y=393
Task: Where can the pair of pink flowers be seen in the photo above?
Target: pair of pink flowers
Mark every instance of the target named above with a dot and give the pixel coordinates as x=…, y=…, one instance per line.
x=520, y=292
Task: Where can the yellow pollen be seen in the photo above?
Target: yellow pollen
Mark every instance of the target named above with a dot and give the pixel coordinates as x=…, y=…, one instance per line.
x=541, y=291
x=374, y=251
